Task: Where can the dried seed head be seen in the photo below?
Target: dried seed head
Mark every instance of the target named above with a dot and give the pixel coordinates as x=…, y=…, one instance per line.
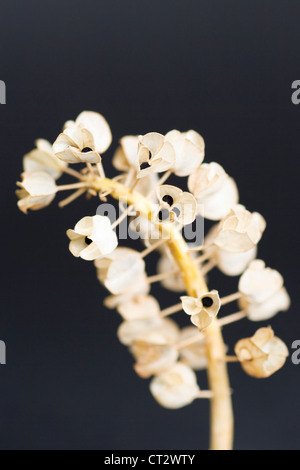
x=156, y=342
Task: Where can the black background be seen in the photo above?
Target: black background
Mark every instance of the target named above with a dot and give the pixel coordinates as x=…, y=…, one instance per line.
x=224, y=68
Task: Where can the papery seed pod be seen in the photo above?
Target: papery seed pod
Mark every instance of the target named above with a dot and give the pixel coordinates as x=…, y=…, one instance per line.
x=97, y=125
x=155, y=154
x=189, y=150
x=114, y=301
x=33, y=203
x=193, y=355
x=180, y=205
x=92, y=237
x=202, y=309
x=38, y=183
x=263, y=354
x=233, y=264
x=139, y=307
x=126, y=155
x=263, y=294
x=130, y=331
x=76, y=145
x=83, y=140
x=153, y=359
x=229, y=263
x=122, y=271
x=174, y=281
x=240, y=230
x=42, y=158
x=38, y=189
x=176, y=387
x=215, y=192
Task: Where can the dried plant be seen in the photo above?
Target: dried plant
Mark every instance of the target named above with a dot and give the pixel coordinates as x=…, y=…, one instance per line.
x=158, y=214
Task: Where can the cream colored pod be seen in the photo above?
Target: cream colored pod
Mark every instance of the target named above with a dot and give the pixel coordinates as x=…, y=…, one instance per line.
x=126, y=159
x=155, y=154
x=175, y=281
x=147, y=185
x=114, y=301
x=139, y=307
x=216, y=193
x=234, y=264
x=42, y=158
x=228, y=262
x=176, y=387
x=179, y=205
x=263, y=354
x=203, y=310
x=126, y=155
x=189, y=151
x=122, y=271
x=153, y=358
x=240, y=230
x=147, y=231
x=84, y=139
x=153, y=329
x=92, y=238
x=38, y=189
x=263, y=294
x=193, y=355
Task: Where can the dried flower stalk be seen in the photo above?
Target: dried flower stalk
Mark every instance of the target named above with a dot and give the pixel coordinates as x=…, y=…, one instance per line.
x=158, y=346
x=221, y=403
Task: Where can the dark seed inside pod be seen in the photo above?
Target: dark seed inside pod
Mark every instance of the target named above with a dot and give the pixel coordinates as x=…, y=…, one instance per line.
x=168, y=199
x=163, y=214
x=150, y=155
x=144, y=166
x=88, y=241
x=86, y=150
x=207, y=301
